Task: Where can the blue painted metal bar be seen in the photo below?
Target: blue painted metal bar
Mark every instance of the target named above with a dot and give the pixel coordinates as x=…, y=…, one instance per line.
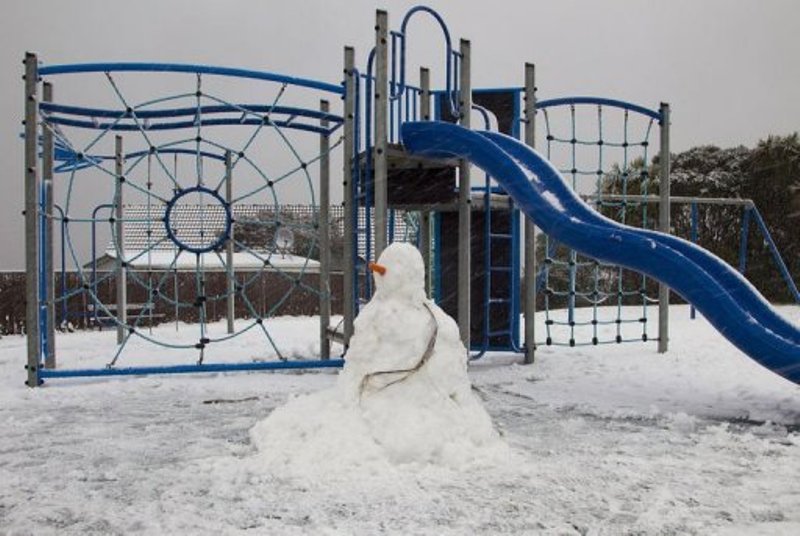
x=73, y=163
x=44, y=342
x=600, y=101
x=175, y=125
x=451, y=78
x=776, y=255
x=188, y=68
x=192, y=369
x=63, y=226
x=94, y=249
x=191, y=111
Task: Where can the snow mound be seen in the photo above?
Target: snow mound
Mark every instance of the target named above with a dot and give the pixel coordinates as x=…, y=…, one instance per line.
x=403, y=398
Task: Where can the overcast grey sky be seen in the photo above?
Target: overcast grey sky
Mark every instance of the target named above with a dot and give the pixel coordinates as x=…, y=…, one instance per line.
x=729, y=68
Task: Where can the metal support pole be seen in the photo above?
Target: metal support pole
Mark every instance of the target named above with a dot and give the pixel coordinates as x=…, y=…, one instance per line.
x=425, y=94
x=381, y=128
x=664, y=225
x=119, y=229
x=350, y=210
x=324, y=237
x=49, y=251
x=743, y=238
x=32, y=247
x=464, y=204
x=230, y=301
x=425, y=215
x=529, y=299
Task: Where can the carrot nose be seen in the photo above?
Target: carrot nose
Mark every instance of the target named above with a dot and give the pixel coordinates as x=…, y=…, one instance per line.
x=377, y=268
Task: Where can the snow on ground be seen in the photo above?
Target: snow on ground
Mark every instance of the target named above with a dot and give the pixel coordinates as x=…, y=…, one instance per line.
x=607, y=440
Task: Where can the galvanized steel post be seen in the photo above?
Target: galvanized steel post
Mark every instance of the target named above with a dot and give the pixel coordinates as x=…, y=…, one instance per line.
x=425, y=215
x=664, y=224
x=49, y=271
x=229, y=268
x=464, y=203
x=119, y=228
x=350, y=210
x=381, y=129
x=32, y=246
x=324, y=236
x=529, y=305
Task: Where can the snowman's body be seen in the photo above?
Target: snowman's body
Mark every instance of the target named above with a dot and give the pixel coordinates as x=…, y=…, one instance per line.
x=404, y=394
x=406, y=362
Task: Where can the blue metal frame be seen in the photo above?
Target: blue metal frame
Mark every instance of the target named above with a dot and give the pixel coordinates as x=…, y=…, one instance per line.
x=71, y=116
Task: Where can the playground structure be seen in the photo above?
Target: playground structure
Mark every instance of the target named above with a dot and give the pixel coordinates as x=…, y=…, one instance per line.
x=472, y=239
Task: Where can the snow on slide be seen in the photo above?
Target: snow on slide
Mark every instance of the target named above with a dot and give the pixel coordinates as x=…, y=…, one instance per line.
x=721, y=294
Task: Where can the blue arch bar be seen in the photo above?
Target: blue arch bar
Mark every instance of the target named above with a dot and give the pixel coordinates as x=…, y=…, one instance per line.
x=75, y=68
x=566, y=101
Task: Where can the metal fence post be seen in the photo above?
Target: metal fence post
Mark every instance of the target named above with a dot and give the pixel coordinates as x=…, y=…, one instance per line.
x=324, y=236
x=381, y=128
x=350, y=209
x=122, y=280
x=48, y=253
x=230, y=301
x=32, y=246
x=664, y=224
x=464, y=204
x=529, y=305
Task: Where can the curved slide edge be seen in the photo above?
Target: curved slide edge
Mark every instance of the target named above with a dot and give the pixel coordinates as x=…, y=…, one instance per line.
x=539, y=191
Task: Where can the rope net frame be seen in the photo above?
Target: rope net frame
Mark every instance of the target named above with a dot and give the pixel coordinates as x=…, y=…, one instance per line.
x=183, y=154
x=603, y=148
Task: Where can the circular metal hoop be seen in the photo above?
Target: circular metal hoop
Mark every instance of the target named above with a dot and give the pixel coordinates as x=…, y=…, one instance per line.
x=219, y=241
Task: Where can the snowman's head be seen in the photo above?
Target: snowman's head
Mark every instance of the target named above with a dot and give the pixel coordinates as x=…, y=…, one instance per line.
x=400, y=273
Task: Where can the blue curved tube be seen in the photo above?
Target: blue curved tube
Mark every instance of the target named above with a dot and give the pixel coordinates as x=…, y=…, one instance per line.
x=541, y=194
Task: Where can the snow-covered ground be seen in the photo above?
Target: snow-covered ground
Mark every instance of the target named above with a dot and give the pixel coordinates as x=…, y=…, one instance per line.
x=606, y=440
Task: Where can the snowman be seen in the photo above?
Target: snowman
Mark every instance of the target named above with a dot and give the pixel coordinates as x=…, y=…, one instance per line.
x=403, y=397
x=406, y=368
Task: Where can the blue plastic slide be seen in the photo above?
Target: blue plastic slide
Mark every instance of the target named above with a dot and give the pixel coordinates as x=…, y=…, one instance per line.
x=727, y=300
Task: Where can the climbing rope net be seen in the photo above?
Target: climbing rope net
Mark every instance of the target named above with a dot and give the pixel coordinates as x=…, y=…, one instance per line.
x=188, y=181
x=603, y=148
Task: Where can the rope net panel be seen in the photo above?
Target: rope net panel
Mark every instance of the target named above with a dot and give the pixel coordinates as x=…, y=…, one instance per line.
x=603, y=150
x=204, y=171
